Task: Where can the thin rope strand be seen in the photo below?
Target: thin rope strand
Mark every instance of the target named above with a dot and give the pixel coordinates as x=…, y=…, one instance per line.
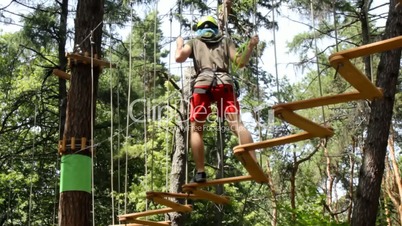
x=92, y=130
x=278, y=96
x=128, y=110
x=33, y=163
x=153, y=95
x=316, y=57
x=145, y=118
x=111, y=133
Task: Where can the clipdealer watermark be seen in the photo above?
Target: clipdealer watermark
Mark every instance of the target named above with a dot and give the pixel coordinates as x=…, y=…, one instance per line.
x=162, y=113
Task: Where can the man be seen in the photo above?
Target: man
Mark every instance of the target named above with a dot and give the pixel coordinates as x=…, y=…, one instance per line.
x=211, y=53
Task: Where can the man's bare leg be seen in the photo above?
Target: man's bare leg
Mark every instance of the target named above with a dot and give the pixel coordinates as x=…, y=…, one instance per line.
x=197, y=145
x=238, y=128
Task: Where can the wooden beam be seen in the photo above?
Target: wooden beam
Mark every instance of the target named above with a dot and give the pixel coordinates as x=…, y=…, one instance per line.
x=321, y=101
x=303, y=123
x=251, y=166
x=149, y=223
x=274, y=142
x=87, y=60
x=176, y=206
x=135, y=224
x=375, y=47
x=170, y=195
x=124, y=217
x=61, y=74
x=212, y=197
x=358, y=80
x=217, y=181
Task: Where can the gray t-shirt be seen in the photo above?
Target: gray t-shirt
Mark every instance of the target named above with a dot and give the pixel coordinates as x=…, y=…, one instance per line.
x=211, y=56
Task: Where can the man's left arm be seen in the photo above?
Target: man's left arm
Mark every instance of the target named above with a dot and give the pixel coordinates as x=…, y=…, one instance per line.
x=241, y=59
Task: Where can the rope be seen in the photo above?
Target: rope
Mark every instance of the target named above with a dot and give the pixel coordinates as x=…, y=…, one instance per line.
x=111, y=133
x=275, y=56
x=118, y=145
x=128, y=110
x=153, y=97
x=316, y=57
x=32, y=157
x=92, y=128
x=167, y=104
x=145, y=118
x=188, y=126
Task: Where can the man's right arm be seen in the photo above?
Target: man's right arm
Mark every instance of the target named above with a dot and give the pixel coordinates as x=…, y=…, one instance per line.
x=182, y=52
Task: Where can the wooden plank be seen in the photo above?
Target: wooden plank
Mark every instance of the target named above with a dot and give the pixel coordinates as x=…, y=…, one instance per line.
x=135, y=224
x=251, y=166
x=303, y=123
x=145, y=213
x=274, y=142
x=359, y=81
x=212, y=197
x=217, y=181
x=61, y=74
x=321, y=101
x=87, y=60
x=170, y=195
x=176, y=206
x=149, y=223
x=375, y=47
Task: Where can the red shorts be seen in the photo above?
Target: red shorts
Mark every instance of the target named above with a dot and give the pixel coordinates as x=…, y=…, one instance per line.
x=226, y=102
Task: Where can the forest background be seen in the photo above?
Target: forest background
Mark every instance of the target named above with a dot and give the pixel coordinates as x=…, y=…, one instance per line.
x=313, y=182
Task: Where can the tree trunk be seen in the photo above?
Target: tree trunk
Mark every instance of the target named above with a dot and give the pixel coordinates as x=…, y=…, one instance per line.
x=395, y=177
x=179, y=169
x=372, y=169
x=271, y=186
x=75, y=194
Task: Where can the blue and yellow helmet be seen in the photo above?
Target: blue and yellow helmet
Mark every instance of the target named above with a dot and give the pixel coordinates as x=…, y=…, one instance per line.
x=207, y=21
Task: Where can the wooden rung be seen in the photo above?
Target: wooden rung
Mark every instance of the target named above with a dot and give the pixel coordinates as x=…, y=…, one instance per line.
x=251, y=166
x=145, y=213
x=87, y=60
x=176, y=206
x=148, y=223
x=217, y=181
x=351, y=74
x=135, y=224
x=212, y=197
x=61, y=74
x=321, y=101
x=170, y=195
x=274, y=142
x=375, y=47
x=303, y=123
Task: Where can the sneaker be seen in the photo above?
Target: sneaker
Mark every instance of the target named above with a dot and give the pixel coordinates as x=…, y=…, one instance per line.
x=200, y=177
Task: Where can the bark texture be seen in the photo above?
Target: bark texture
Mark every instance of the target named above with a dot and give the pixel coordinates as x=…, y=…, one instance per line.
x=372, y=169
x=75, y=206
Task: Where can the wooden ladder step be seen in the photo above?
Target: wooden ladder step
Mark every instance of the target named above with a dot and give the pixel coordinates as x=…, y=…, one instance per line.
x=273, y=142
x=87, y=60
x=136, y=222
x=126, y=217
x=356, y=78
x=174, y=205
x=61, y=74
x=151, y=194
x=304, y=124
x=218, y=199
x=217, y=182
x=375, y=47
x=320, y=101
x=251, y=166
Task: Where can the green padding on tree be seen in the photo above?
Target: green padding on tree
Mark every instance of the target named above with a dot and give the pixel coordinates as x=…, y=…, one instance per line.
x=75, y=173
